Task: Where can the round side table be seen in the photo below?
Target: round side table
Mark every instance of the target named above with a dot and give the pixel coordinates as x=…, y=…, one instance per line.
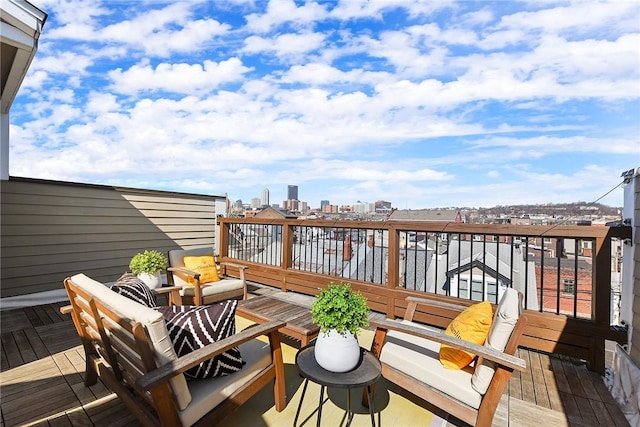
x=365, y=374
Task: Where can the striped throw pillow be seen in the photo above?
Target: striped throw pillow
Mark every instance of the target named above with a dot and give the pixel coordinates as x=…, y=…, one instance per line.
x=130, y=286
x=193, y=327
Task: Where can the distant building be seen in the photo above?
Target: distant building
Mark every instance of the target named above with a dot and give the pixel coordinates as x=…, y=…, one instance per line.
x=273, y=213
x=264, y=200
x=255, y=203
x=382, y=207
x=450, y=215
x=292, y=192
x=290, y=205
x=323, y=203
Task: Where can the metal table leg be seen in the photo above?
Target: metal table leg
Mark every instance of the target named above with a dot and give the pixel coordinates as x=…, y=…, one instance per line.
x=304, y=390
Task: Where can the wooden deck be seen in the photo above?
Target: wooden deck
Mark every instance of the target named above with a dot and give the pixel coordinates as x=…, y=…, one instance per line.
x=42, y=367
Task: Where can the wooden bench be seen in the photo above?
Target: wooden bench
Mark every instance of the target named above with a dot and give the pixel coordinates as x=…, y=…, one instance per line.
x=409, y=353
x=128, y=347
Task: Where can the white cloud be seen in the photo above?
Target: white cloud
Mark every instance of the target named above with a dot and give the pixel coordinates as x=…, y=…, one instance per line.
x=419, y=103
x=177, y=78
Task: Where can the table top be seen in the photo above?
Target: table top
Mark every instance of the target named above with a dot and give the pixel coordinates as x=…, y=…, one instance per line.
x=366, y=373
x=264, y=308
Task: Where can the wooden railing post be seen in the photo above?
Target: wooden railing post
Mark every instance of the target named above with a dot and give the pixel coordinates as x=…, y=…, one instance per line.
x=393, y=267
x=601, y=299
x=287, y=251
x=223, y=229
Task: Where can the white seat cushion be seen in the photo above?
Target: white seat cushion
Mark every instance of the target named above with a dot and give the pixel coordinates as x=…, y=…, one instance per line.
x=223, y=285
x=209, y=393
x=420, y=359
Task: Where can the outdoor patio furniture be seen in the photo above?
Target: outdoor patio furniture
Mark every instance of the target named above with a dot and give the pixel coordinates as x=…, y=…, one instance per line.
x=128, y=346
x=200, y=291
x=409, y=353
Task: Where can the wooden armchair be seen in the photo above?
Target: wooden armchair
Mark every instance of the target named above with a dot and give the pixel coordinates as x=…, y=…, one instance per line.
x=128, y=347
x=409, y=353
x=199, y=292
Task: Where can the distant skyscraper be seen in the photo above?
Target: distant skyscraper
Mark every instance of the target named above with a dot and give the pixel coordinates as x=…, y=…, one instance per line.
x=265, y=197
x=292, y=192
x=323, y=203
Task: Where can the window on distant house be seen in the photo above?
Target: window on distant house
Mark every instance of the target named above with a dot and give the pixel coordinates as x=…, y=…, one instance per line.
x=477, y=290
x=569, y=286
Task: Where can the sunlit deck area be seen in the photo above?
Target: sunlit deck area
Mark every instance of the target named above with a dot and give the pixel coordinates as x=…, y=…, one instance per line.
x=43, y=366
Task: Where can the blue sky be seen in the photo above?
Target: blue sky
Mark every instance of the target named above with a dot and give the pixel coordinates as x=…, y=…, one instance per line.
x=420, y=103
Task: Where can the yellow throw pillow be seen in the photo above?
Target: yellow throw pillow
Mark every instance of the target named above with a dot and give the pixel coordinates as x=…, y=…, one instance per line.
x=471, y=325
x=205, y=265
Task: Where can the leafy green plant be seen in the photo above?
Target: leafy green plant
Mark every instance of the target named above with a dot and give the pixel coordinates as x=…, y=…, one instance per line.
x=148, y=262
x=341, y=308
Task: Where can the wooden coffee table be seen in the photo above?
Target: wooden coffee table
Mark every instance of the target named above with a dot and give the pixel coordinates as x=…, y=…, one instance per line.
x=298, y=317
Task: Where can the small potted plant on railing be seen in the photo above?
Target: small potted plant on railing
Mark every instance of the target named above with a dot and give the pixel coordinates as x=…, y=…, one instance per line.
x=147, y=266
x=340, y=312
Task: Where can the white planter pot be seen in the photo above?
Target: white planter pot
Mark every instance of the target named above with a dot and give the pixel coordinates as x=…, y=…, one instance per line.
x=153, y=281
x=336, y=352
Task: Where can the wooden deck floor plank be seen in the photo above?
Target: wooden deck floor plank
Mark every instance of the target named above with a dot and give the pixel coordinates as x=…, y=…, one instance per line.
x=45, y=402
x=587, y=381
x=572, y=377
x=11, y=350
x=60, y=421
x=526, y=382
x=570, y=407
x=36, y=343
x=41, y=314
x=619, y=420
x=586, y=410
x=53, y=311
x=601, y=388
x=539, y=381
x=79, y=418
x=553, y=391
x=515, y=388
x=4, y=363
x=33, y=317
x=601, y=413
x=560, y=375
x=24, y=347
x=67, y=369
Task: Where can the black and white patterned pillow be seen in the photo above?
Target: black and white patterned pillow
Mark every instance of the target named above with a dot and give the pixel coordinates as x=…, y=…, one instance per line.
x=193, y=327
x=130, y=286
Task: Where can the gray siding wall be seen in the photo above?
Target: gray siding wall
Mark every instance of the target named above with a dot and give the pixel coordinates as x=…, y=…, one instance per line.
x=50, y=230
x=634, y=351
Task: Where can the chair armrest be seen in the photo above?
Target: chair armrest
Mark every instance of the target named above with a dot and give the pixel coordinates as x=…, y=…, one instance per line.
x=233, y=264
x=66, y=309
x=166, y=289
x=182, y=364
x=184, y=270
x=499, y=357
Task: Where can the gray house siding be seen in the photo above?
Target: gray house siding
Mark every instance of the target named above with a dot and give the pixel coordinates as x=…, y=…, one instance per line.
x=635, y=336
x=50, y=230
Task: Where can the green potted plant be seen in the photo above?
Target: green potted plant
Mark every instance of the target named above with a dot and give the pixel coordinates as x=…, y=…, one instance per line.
x=340, y=312
x=147, y=266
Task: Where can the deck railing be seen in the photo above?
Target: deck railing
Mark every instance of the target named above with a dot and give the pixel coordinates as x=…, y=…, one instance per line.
x=564, y=272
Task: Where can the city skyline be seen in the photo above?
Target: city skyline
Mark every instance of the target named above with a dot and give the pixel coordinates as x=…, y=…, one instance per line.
x=424, y=104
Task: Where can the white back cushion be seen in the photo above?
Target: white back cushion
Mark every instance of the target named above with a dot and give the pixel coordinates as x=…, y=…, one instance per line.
x=505, y=319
